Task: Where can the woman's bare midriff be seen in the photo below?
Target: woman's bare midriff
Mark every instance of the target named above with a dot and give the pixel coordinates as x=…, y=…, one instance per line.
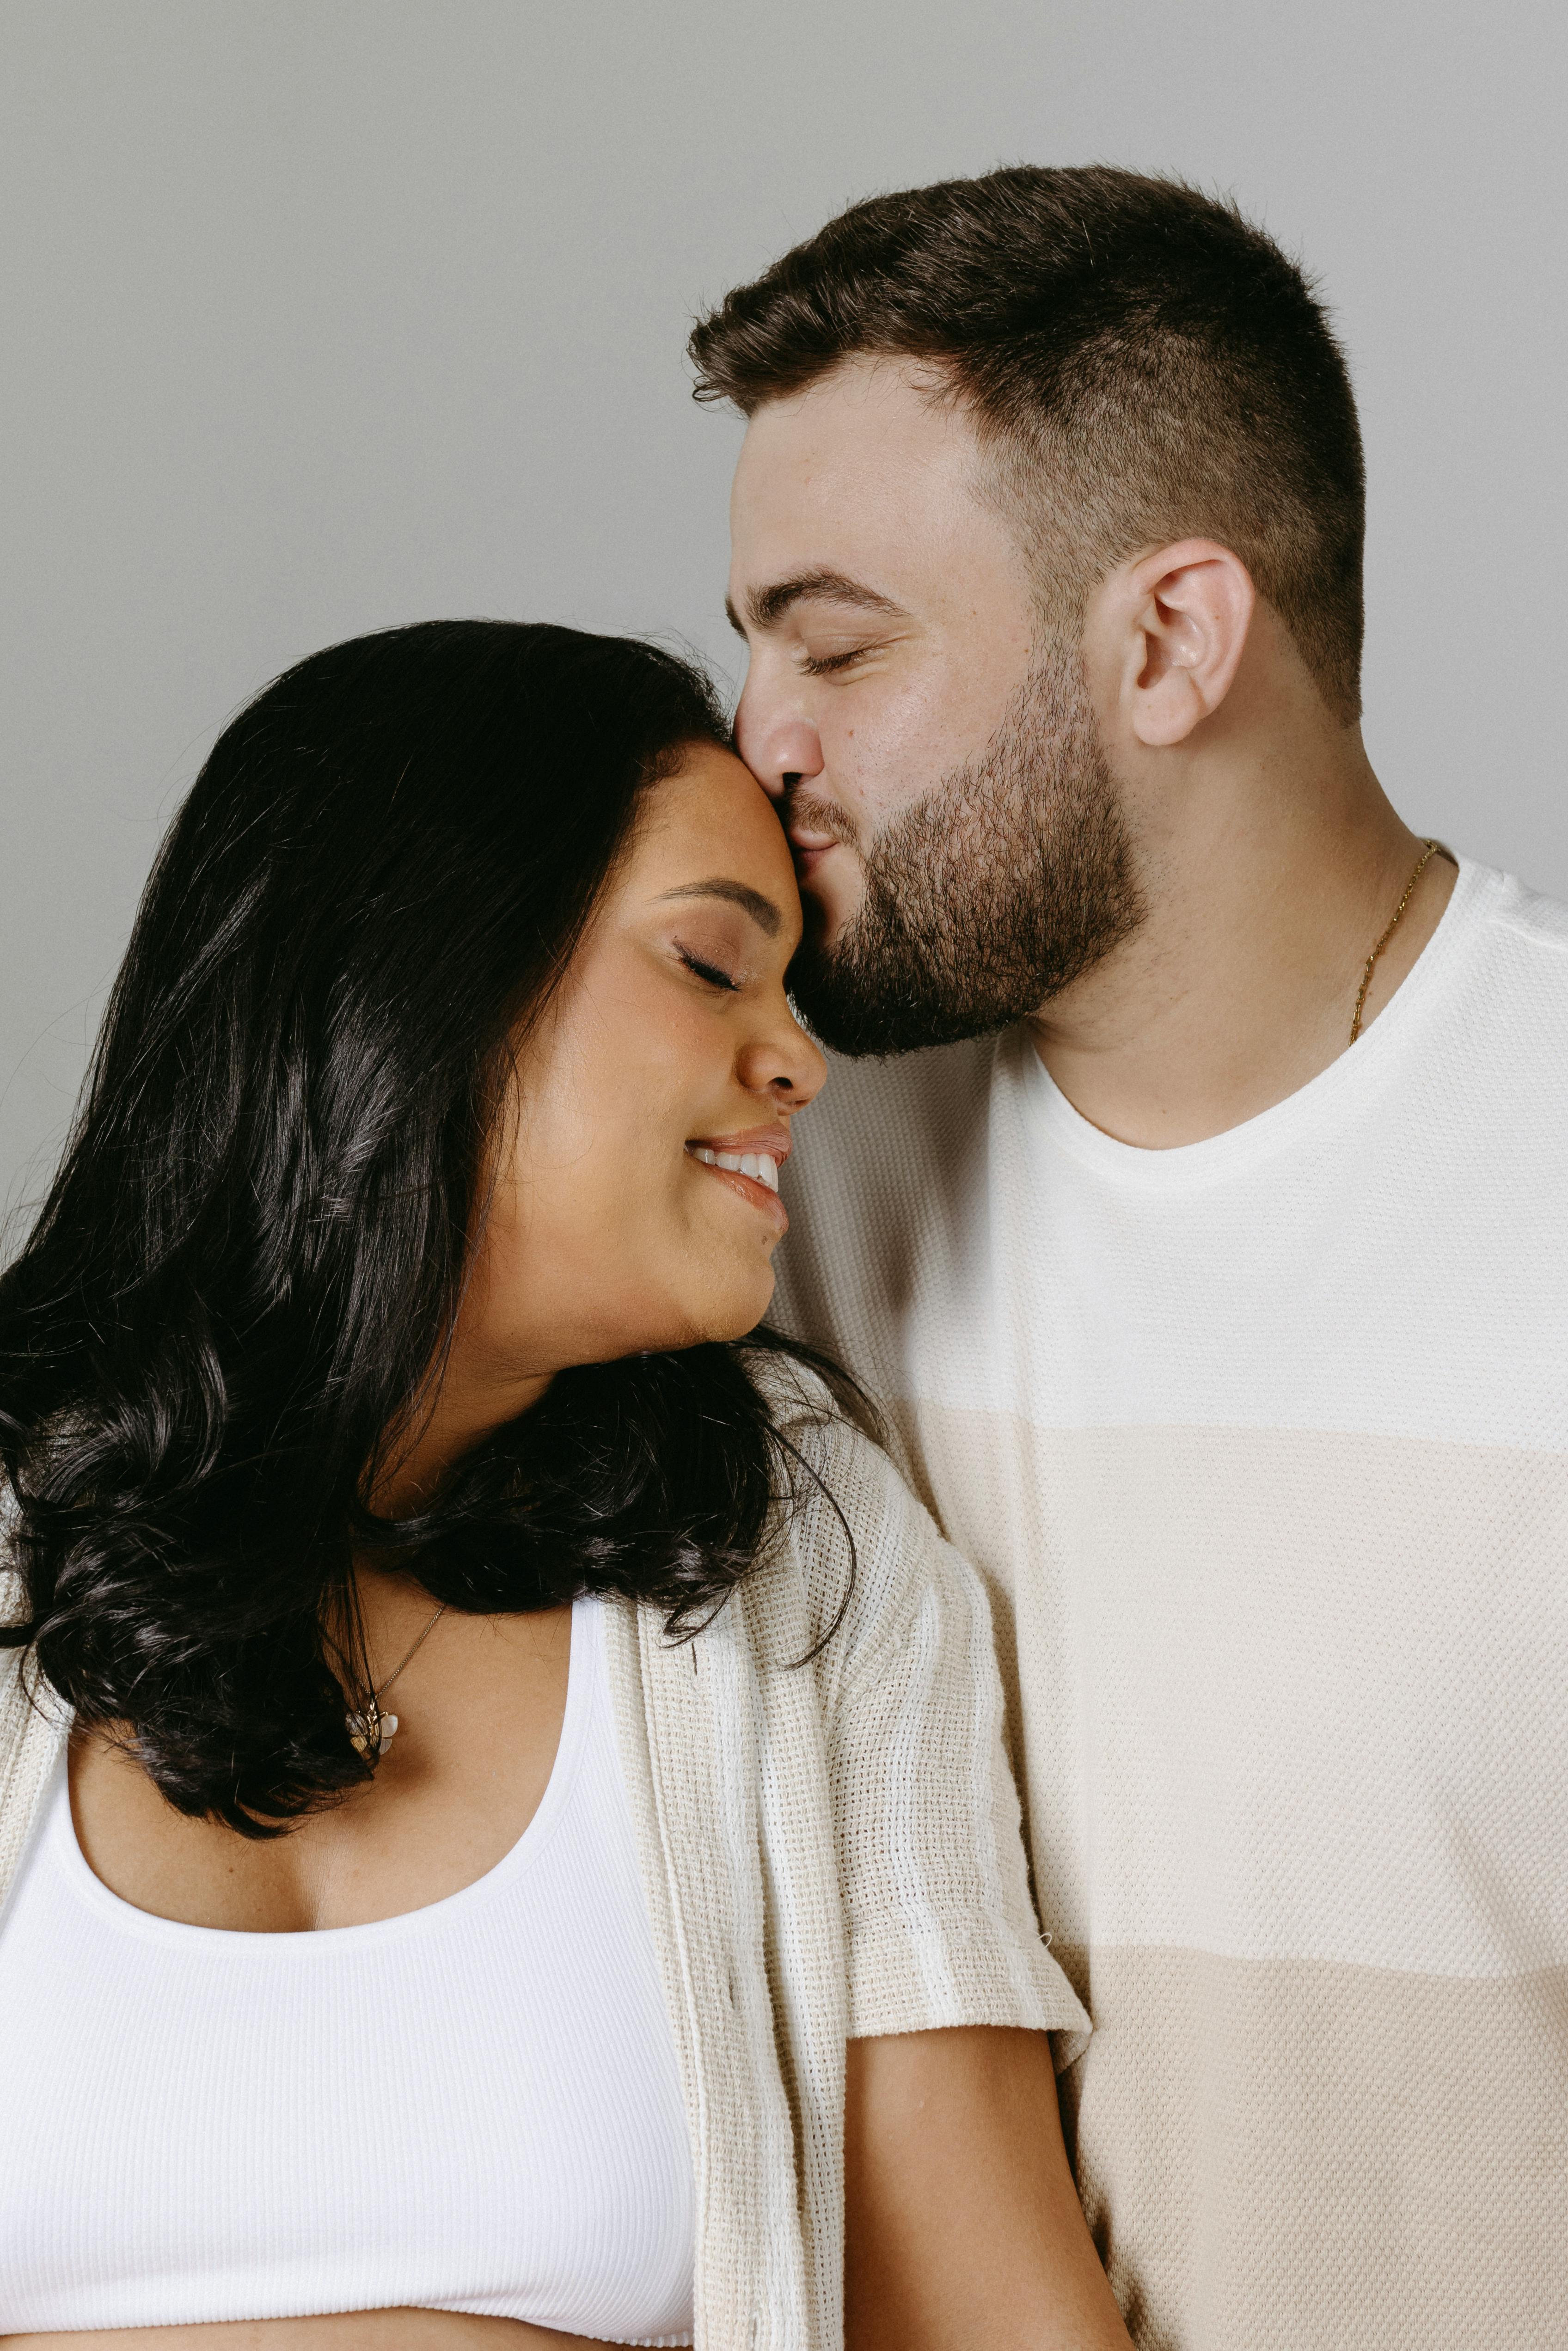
x=346, y=2330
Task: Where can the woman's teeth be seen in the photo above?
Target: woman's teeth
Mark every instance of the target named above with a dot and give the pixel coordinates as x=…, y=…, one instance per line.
x=755, y=1163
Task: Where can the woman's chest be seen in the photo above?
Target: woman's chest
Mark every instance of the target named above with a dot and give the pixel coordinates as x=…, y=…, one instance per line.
x=476, y=2106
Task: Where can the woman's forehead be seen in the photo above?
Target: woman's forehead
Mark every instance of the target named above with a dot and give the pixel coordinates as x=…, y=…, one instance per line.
x=713, y=804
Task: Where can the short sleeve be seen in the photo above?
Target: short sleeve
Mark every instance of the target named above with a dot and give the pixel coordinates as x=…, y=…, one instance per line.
x=941, y=1929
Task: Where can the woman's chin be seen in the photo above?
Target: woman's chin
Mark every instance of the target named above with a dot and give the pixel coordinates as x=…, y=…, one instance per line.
x=738, y=1312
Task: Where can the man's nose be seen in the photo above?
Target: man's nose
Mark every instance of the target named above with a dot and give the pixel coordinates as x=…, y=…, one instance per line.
x=779, y=746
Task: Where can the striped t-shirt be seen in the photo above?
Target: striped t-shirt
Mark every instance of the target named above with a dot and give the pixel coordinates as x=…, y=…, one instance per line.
x=1262, y=1445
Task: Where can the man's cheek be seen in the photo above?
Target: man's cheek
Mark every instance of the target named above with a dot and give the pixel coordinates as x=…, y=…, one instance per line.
x=881, y=761
x=833, y=894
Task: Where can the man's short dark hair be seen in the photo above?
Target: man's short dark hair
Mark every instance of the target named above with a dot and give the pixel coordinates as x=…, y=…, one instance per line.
x=1143, y=364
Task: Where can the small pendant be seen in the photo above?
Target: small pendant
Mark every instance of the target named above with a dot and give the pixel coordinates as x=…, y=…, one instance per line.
x=372, y=1729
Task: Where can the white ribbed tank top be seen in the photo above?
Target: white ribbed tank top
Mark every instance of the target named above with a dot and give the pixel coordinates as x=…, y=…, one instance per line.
x=475, y=2107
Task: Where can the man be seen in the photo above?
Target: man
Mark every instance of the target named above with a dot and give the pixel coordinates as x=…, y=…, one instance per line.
x=1213, y=1270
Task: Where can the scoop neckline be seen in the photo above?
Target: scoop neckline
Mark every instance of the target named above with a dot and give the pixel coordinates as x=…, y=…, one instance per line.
x=586, y=1665
x=1353, y=1078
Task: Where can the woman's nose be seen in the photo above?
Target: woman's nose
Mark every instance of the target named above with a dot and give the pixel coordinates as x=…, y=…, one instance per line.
x=787, y=1066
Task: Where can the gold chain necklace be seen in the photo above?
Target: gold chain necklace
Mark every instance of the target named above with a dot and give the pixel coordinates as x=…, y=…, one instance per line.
x=373, y=1731
x=1429, y=851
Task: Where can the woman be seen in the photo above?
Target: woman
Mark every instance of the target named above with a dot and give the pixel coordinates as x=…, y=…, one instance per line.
x=480, y=1743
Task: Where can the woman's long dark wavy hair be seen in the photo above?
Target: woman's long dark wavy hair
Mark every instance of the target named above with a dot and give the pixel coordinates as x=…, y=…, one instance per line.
x=253, y=1250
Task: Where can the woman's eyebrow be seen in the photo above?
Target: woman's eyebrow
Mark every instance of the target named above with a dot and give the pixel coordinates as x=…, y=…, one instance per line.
x=762, y=911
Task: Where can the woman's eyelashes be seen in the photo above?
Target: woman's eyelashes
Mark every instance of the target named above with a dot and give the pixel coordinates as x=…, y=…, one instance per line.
x=711, y=973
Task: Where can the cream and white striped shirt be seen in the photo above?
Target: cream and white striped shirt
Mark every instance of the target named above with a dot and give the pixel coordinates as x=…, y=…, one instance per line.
x=1261, y=1445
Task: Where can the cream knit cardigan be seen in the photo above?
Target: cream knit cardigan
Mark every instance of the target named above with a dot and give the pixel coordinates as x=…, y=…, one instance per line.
x=828, y=1849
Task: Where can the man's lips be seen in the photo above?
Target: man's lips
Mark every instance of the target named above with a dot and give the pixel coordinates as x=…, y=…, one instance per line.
x=809, y=848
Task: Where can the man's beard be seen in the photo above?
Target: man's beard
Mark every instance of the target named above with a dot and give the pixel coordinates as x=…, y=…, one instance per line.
x=989, y=895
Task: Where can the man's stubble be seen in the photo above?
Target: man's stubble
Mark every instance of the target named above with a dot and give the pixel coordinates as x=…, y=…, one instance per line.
x=990, y=894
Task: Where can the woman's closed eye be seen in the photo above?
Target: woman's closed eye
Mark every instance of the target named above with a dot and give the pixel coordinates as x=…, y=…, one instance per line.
x=709, y=972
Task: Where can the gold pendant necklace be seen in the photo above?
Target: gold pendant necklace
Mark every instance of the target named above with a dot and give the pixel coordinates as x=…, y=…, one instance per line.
x=1429, y=851
x=373, y=1731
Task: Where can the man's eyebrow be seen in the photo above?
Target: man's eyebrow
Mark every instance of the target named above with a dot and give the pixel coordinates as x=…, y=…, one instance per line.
x=762, y=911
x=766, y=607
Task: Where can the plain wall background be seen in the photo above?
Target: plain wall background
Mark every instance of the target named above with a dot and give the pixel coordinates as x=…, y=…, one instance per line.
x=320, y=315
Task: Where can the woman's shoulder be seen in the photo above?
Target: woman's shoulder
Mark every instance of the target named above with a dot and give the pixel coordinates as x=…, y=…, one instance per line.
x=870, y=1557
x=33, y=1723
x=13, y=1592
x=831, y=1434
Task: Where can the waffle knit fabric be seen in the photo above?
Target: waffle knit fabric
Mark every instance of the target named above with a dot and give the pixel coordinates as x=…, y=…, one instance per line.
x=828, y=1849
x=1261, y=1445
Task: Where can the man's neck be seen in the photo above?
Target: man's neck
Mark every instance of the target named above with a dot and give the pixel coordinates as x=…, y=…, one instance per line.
x=1239, y=985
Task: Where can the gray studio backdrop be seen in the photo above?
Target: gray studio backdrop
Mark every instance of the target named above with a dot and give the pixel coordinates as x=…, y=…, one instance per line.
x=320, y=315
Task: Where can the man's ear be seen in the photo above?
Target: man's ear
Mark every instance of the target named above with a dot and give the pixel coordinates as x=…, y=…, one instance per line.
x=1174, y=625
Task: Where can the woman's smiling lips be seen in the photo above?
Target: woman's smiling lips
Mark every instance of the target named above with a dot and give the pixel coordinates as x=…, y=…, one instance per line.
x=748, y=1163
